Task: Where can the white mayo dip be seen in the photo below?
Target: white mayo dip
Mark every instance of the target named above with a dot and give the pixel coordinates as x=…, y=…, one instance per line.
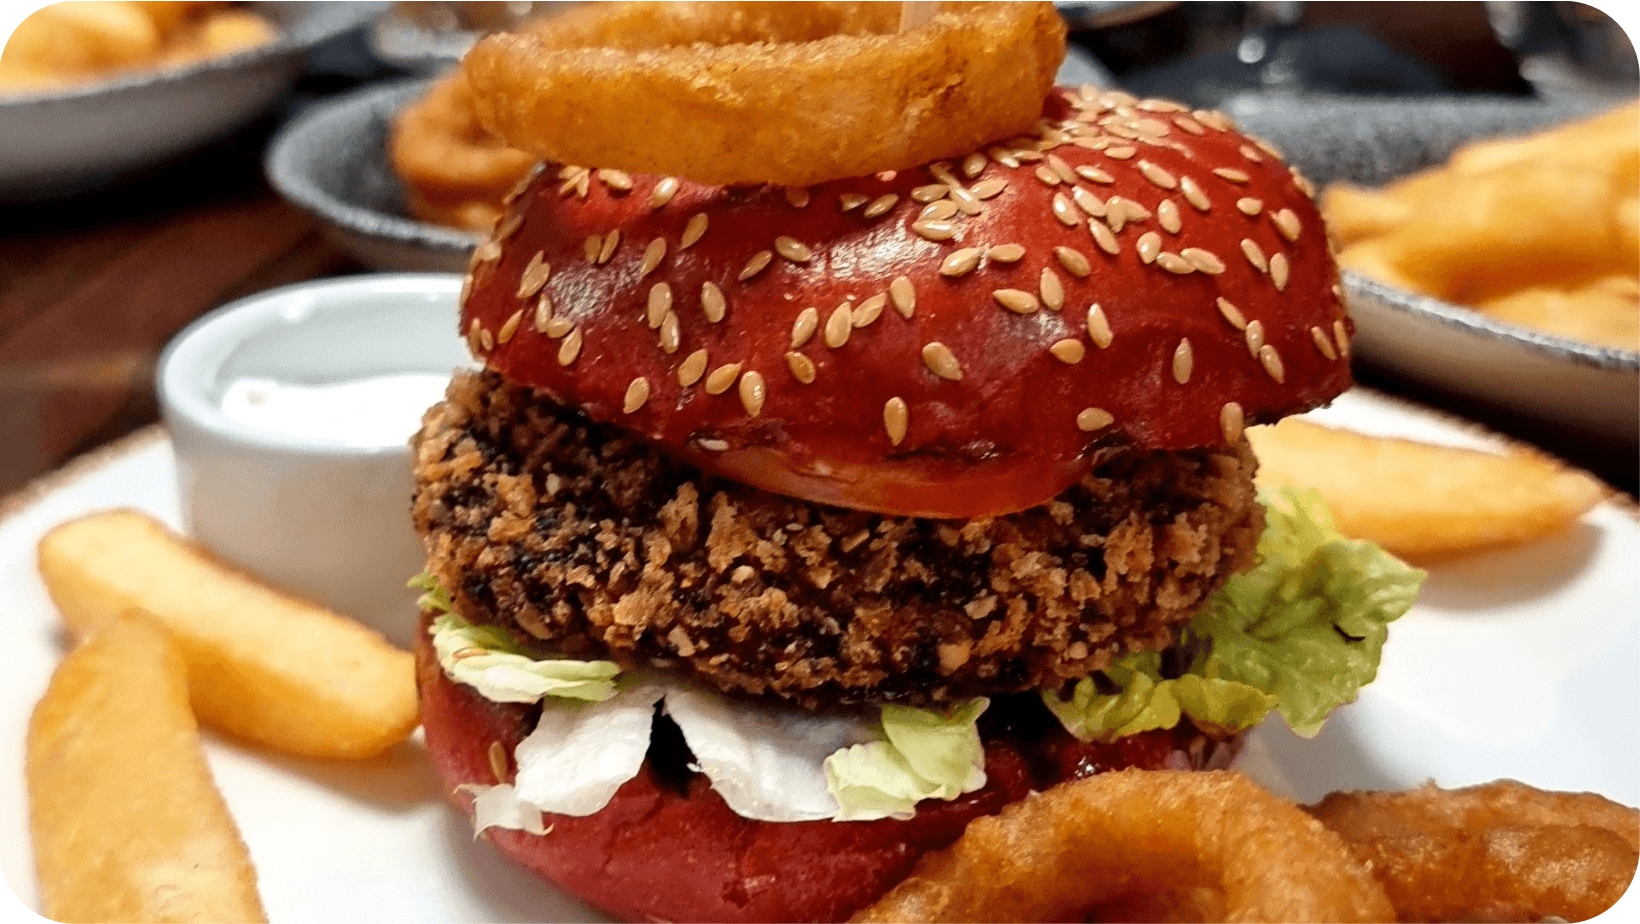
x=381, y=410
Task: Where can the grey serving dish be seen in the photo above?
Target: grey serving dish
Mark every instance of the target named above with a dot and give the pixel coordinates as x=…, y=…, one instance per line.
x=68, y=141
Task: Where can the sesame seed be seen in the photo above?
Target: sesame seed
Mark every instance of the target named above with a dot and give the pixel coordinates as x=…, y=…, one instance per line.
x=664, y=191
x=1064, y=211
x=903, y=296
x=941, y=171
x=1254, y=255
x=1279, y=271
x=1068, y=351
x=1174, y=263
x=1004, y=157
x=1167, y=212
x=1232, y=314
x=1116, y=213
x=802, y=368
x=1160, y=105
x=1016, y=300
x=1088, y=202
x=967, y=203
x=1231, y=422
x=1157, y=175
x=752, y=392
x=973, y=165
x=1204, y=260
x=1052, y=290
x=712, y=302
x=466, y=288
x=1184, y=361
x=1093, y=418
x=692, y=368
x=880, y=205
x=1287, y=223
x=1341, y=336
x=612, y=240
x=848, y=202
x=839, y=325
x=509, y=226
x=652, y=256
x=1190, y=125
x=896, y=419
x=1231, y=174
x=1193, y=194
x=1254, y=332
x=1151, y=128
x=1323, y=343
x=934, y=230
x=1119, y=128
x=986, y=189
x=1214, y=119
x=473, y=342
x=721, y=378
x=636, y=394
x=1093, y=174
x=868, y=311
x=693, y=230
x=1149, y=245
x=485, y=339
x=1121, y=152
x=1249, y=206
x=534, y=276
x=941, y=361
x=927, y=193
x=1061, y=169
x=1073, y=260
x=591, y=246
x=757, y=264
x=961, y=262
x=1302, y=183
x=1005, y=253
x=660, y=302
x=1047, y=176
x=510, y=326
x=1252, y=155
x=543, y=313
x=618, y=180
x=498, y=762
x=671, y=333
x=570, y=347
x=808, y=321
x=558, y=327
x=793, y=249
x=938, y=211
x=1271, y=361
x=1098, y=327
x=1134, y=211
x=796, y=196
x=712, y=445
x=1103, y=237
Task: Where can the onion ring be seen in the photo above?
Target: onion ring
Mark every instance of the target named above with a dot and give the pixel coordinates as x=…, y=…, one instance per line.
x=792, y=93
x=1101, y=840
x=1498, y=852
x=454, y=171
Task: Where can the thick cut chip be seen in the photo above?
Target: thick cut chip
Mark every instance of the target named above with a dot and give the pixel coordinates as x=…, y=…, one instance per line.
x=261, y=665
x=126, y=821
x=1420, y=499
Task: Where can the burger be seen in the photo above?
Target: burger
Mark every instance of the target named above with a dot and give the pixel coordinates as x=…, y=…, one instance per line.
x=785, y=531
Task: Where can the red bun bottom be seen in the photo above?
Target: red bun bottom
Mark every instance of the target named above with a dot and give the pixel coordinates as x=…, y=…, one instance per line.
x=657, y=852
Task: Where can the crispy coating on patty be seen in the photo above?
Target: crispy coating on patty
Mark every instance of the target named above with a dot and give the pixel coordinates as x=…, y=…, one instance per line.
x=576, y=534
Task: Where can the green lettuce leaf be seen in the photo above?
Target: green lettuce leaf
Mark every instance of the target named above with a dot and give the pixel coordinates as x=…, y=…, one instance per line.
x=489, y=660
x=433, y=597
x=1300, y=633
x=924, y=754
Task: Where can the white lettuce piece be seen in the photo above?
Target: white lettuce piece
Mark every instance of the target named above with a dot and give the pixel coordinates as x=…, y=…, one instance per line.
x=580, y=753
x=500, y=807
x=767, y=763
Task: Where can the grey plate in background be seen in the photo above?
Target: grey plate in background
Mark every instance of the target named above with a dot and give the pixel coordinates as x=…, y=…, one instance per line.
x=67, y=141
x=1572, y=386
x=332, y=162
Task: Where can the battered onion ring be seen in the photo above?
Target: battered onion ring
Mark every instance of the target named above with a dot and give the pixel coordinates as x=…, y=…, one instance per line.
x=1101, y=840
x=1499, y=852
x=791, y=93
x=454, y=170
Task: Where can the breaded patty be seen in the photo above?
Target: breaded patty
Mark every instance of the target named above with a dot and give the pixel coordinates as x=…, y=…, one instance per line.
x=573, y=533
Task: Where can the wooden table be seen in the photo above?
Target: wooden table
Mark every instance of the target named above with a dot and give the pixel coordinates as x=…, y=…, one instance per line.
x=91, y=289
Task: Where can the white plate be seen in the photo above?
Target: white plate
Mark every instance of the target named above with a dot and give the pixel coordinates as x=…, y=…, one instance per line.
x=1518, y=663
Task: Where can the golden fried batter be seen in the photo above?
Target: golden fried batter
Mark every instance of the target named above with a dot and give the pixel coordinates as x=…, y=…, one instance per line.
x=580, y=535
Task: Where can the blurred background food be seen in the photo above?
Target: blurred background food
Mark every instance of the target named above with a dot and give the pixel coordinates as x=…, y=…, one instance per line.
x=77, y=41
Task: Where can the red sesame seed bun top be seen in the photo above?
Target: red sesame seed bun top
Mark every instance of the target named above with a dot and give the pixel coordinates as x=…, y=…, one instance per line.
x=956, y=340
